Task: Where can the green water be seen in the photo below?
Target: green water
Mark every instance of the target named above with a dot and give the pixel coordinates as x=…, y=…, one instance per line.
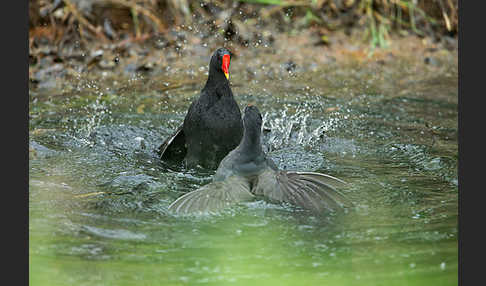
x=98, y=200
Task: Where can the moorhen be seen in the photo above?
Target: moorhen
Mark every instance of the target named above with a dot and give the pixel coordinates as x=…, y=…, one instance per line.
x=212, y=126
x=246, y=173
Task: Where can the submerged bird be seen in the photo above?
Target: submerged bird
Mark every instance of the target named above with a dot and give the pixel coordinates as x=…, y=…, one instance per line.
x=246, y=174
x=212, y=126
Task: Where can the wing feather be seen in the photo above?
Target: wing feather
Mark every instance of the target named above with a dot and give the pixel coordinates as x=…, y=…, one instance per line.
x=322, y=183
x=308, y=190
x=314, y=198
x=213, y=197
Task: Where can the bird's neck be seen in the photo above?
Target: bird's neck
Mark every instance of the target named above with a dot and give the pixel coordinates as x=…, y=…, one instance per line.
x=216, y=80
x=251, y=143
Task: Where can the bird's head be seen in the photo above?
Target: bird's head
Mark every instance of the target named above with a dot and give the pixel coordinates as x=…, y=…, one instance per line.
x=220, y=61
x=252, y=118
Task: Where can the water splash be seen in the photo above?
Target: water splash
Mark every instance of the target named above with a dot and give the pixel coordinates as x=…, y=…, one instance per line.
x=97, y=111
x=297, y=129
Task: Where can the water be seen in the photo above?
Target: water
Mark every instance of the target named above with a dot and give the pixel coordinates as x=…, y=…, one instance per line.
x=98, y=197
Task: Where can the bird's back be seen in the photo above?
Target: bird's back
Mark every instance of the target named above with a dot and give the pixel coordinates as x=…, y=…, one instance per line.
x=213, y=128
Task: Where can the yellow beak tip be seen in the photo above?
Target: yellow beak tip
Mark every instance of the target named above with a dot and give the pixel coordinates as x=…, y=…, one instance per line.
x=227, y=75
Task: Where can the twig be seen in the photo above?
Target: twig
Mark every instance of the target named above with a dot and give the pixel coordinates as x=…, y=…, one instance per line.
x=83, y=20
x=141, y=10
x=89, y=194
x=135, y=21
x=102, y=193
x=444, y=14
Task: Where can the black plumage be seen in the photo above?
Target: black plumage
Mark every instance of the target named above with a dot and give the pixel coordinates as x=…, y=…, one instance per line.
x=212, y=126
x=246, y=173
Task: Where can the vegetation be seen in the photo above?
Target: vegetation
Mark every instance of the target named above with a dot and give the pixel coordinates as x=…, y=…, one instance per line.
x=60, y=21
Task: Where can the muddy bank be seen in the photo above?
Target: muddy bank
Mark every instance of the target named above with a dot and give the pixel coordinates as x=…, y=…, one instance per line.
x=74, y=42
x=143, y=66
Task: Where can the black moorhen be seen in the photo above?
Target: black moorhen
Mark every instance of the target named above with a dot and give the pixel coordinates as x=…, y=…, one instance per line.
x=212, y=126
x=247, y=173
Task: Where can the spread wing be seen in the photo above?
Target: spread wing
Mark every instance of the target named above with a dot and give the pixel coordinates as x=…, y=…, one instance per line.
x=213, y=197
x=309, y=190
x=174, y=147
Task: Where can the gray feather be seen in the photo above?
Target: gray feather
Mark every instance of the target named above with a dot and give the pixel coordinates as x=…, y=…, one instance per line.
x=311, y=198
x=321, y=182
x=308, y=190
x=213, y=197
x=324, y=178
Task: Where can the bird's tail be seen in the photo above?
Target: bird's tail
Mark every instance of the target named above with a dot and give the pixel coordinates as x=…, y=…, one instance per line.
x=173, y=148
